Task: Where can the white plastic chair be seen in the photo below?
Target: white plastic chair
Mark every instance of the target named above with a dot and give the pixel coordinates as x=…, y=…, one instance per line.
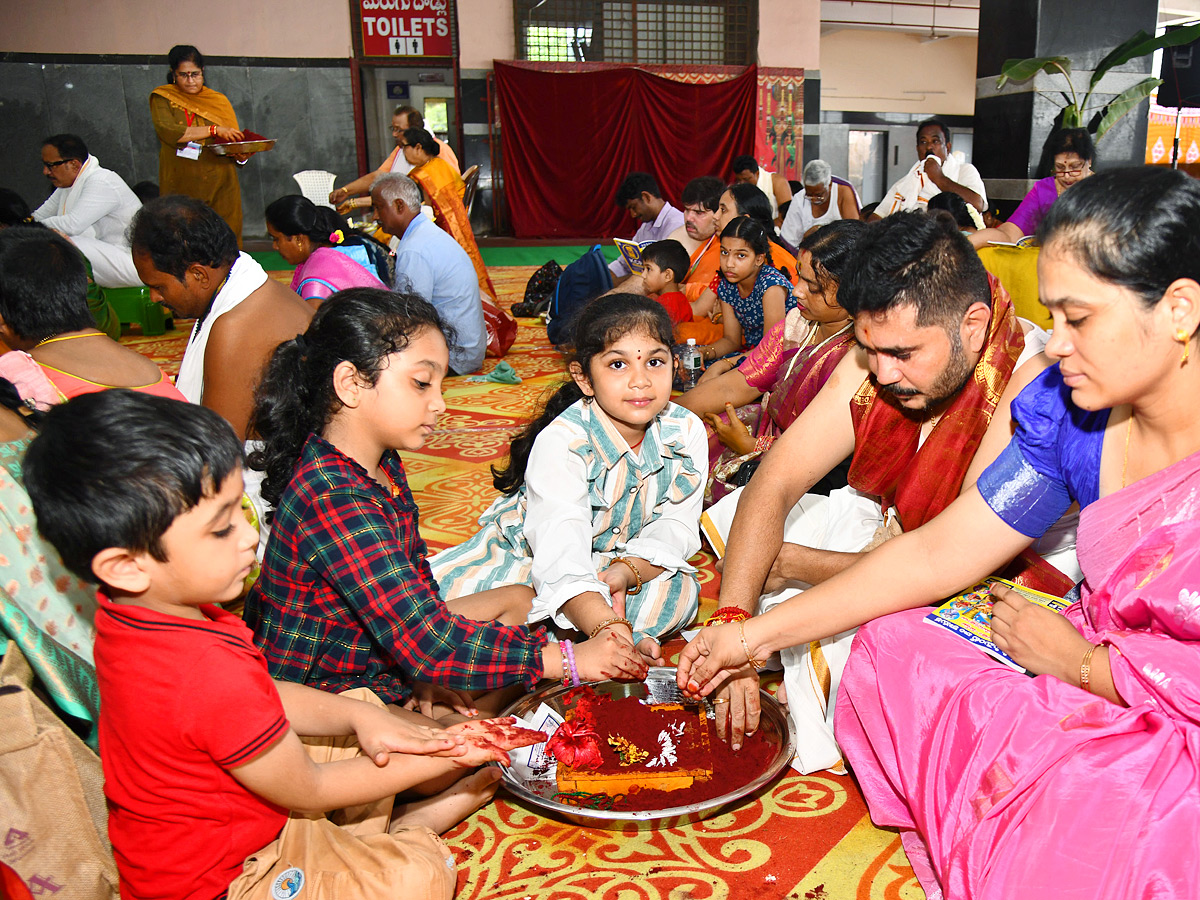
x=315, y=184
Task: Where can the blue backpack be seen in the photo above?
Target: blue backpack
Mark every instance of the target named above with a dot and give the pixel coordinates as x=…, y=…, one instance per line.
x=583, y=280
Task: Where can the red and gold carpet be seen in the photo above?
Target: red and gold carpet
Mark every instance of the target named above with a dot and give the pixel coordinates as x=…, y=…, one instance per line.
x=806, y=838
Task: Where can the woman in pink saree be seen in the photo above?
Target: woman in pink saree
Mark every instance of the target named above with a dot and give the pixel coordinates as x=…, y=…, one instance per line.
x=1084, y=780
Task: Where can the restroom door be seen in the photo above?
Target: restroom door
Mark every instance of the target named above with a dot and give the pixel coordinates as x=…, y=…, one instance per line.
x=868, y=164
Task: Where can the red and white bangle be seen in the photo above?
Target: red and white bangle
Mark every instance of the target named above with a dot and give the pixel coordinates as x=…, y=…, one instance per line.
x=727, y=615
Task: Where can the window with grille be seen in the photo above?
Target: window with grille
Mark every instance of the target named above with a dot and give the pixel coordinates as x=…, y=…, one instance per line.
x=699, y=32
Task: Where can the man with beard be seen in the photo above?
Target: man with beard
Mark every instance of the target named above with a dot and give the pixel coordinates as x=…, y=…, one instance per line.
x=940, y=350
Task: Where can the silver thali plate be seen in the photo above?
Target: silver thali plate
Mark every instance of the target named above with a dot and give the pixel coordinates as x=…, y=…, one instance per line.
x=233, y=147
x=659, y=687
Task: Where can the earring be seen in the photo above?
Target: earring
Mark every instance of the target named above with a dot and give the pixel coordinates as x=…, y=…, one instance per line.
x=1186, y=339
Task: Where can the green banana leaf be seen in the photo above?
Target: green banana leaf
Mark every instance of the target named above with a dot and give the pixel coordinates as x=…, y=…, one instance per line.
x=1024, y=69
x=1142, y=44
x=1125, y=102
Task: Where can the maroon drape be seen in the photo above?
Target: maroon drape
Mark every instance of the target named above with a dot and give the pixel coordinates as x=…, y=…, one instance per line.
x=568, y=140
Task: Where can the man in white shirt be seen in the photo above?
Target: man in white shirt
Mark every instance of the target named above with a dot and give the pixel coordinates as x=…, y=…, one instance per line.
x=92, y=207
x=779, y=192
x=936, y=170
x=640, y=197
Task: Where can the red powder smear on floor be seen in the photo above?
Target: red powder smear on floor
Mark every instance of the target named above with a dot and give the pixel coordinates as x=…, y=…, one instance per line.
x=631, y=719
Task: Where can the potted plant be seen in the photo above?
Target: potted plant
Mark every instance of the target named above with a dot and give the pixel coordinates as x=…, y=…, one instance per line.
x=1098, y=117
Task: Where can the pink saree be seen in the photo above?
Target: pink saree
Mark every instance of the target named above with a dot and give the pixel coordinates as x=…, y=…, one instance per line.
x=1007, y=786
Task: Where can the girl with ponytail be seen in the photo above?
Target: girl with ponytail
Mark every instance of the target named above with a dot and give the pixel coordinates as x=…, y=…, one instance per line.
x=346, y=598
x=329, y=256
x=601, y=497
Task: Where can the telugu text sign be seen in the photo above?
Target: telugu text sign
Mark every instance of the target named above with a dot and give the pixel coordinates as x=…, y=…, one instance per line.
x=406, y=27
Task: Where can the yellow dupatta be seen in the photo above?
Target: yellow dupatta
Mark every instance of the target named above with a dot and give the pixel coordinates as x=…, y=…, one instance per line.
x=208, y=104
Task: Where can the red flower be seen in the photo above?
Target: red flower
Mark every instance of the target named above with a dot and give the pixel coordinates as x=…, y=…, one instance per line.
x=574, y=744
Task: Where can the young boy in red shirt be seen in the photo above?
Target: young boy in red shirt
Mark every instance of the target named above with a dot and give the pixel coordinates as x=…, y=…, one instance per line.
x=201, y=753
x=666, y=263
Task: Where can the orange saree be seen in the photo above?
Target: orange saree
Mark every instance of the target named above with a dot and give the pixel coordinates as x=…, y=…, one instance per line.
x=443, y=189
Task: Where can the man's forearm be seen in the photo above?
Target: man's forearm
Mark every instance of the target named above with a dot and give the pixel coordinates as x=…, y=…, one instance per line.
x=966, y=193
x=812, y=565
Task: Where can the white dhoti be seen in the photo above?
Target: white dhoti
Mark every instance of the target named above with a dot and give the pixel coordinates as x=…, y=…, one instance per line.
x=846, y=521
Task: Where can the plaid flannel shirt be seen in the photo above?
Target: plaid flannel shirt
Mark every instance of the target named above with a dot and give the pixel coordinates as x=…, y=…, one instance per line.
x=346, y=598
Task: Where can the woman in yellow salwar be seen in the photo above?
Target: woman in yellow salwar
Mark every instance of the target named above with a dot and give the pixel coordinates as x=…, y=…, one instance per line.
x=188, y=116
x=443, y=188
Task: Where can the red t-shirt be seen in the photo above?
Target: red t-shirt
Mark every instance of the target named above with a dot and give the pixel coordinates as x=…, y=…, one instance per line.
x=677, y=306
x=183, y=702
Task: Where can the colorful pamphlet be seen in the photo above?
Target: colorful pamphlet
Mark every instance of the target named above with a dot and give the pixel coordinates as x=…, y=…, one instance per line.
x=969, y=615
x=632, y=252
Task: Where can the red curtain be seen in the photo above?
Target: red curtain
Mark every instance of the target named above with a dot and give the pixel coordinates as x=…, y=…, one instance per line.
x=568, y=140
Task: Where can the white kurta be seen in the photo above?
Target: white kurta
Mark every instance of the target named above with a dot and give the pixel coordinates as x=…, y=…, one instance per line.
x=95, y=213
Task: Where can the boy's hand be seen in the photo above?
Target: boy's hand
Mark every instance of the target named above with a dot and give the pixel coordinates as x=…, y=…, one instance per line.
x=379, y=733
x=489, y=740
x=426, y=695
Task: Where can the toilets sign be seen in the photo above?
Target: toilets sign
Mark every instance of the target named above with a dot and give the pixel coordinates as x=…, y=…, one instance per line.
x=406, y=27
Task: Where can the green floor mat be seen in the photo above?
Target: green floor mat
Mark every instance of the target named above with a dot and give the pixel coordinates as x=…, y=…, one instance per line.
x=270, y=260
x=532, y=255
x=538, y=254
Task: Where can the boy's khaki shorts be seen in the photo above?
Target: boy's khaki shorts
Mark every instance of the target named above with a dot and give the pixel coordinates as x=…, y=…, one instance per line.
x=351, y=854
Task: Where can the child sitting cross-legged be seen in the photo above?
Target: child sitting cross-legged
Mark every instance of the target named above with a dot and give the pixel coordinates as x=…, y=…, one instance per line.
x=201, y=754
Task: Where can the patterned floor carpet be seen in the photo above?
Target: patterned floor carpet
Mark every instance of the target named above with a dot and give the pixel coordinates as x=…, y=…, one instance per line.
x=805, y=838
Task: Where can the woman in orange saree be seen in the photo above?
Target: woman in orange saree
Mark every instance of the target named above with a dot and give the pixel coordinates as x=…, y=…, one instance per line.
x=443, y=189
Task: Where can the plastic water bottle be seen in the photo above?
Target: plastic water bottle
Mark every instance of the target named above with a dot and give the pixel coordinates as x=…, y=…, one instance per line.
x=693, y=364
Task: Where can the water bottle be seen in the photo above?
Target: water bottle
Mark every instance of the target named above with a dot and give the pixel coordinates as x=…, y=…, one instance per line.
x=693, y=364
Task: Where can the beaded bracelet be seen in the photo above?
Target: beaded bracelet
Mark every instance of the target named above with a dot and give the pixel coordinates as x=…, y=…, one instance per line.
x=1085, y=668
x=637, y=588
x=615, y=620
x=726, y=615
x=763, y=443
x=754, y=663
x=568, y=650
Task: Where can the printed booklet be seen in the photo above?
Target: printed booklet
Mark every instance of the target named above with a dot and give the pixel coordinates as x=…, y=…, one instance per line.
x=969, y=615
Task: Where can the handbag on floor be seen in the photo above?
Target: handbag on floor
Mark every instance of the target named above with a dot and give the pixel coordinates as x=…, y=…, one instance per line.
x=539, y=291
x=53, y=818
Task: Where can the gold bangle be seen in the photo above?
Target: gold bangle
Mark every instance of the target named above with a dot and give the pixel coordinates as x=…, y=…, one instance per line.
x=615, y=620
x=1085, y=668
x=754, y=663
x=637, y=588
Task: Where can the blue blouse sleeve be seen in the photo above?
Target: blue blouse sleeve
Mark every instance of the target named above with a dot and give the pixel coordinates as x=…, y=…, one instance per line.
x=1026, y=485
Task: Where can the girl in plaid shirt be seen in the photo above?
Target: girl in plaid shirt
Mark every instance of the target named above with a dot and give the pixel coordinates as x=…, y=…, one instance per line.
x=346, y=598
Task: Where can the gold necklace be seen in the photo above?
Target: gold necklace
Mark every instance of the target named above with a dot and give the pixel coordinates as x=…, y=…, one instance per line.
x=67, y=337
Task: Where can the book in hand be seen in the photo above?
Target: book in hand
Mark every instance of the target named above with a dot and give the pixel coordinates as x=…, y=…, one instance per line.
x=969, y=615
x=631, y=252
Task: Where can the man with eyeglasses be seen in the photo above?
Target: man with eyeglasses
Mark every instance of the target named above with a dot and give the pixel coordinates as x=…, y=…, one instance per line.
x=90, y=206
x=936, y=170
x=403, y=118
x=825, y=199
